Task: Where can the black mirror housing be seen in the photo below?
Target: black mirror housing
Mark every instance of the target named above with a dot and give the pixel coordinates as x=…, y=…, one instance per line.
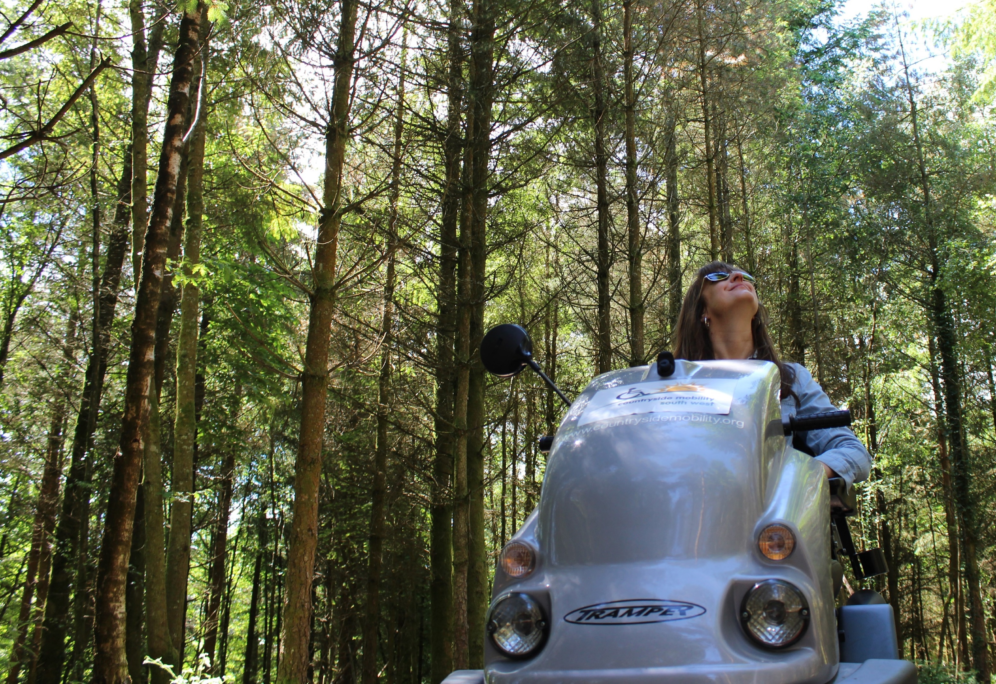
x=506, y=349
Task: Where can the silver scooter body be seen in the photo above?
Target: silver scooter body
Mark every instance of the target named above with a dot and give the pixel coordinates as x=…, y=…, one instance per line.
x=646, y=538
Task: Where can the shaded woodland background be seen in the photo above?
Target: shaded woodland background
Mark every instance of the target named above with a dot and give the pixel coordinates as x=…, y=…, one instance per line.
x=248, y=250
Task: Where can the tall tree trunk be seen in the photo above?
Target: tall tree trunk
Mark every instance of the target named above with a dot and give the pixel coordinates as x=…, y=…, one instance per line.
x=144, y=62
x=219, y=549
x=135, y=645
x=673, y=223
x=294, y=661
x=480, y=100
x=110, y=664
x=714, y=238
x=39, y=553
x=441, y=536
x=160, y=645
x=795, y=327
x=461, y=506
x=603, y=254
x=963, y=498
x=636, y=304
x=250, y=660
x=378, y=494
x=950, y=515
x=185, y=420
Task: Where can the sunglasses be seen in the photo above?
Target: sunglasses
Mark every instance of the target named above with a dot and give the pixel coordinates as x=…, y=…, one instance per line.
x=720, y=276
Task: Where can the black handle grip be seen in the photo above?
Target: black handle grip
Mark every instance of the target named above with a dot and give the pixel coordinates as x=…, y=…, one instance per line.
x=819, y=421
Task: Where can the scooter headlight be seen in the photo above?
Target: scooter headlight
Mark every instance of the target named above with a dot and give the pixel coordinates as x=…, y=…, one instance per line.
x=516, y=625
x=774, y=613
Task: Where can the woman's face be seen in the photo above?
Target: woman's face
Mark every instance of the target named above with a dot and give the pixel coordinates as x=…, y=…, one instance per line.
x=729, y=297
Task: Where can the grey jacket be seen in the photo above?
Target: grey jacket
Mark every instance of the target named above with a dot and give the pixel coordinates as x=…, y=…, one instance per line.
x=837, y=447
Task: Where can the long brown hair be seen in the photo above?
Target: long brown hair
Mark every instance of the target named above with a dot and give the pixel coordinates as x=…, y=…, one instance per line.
x=692, y=341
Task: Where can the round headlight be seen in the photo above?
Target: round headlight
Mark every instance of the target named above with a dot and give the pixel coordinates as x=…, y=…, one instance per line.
x=775, y=613
x=517, y=559
x=516, y=625
x=776, y=542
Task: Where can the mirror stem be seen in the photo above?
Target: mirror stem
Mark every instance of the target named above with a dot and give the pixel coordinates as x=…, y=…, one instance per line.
x=536, y=367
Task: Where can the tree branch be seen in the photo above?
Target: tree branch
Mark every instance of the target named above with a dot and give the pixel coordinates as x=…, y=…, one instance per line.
x=57, y=31
x=43, y=132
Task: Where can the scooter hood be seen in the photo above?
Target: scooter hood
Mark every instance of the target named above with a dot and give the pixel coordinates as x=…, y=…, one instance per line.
x=646, y=533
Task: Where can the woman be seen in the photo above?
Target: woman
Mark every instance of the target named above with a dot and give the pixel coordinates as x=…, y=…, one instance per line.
x=721, y=318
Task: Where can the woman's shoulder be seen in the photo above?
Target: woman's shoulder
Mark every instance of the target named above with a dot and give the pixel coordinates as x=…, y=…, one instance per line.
x=802, y=375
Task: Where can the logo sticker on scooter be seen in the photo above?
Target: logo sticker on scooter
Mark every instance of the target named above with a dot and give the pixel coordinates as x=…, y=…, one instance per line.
x=634, y=612
x=712, y=395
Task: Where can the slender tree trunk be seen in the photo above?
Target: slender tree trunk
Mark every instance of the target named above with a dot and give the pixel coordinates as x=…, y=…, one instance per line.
x=604, y=256
x=815, y=301
x=219, y=553
x=795, y=327
x=185, y=420
x=441, y=539
x=144, y=62
x=480, y=99
x=992, y=384
x=160, y=645
x=378, y=494
x=950, y=515
x=674, y=225
x=714, y=238
x=252, y=640
x=964, y=501
x=461, y=512
x=750, y=258
x=293, y=667
x=110, y=664
x=636, y=304
x=135, y=595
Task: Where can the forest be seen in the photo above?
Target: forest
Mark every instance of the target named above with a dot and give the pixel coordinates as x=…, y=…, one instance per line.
x=248, y=251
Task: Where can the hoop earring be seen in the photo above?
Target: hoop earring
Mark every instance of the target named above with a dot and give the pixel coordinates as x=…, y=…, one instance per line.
x=705, y=321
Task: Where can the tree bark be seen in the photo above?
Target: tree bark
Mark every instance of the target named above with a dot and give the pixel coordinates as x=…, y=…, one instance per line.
x=378, y=494
x=441, y=536
x=110, y=664
x=160, y=645
x=144, y=62
x=293, y=667
x=185, y=420
x=674, y=224
x=480, y=99
x=461, y=505
x=714, y=238
x=636, y=304
x=216, y=576
x=604, y=256
x=252, y=640
x=950, y=515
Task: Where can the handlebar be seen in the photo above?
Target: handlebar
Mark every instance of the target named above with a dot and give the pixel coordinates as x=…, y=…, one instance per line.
x=818, y=422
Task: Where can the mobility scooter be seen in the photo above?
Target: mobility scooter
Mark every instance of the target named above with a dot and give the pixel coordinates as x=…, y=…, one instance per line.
x=680, y=537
